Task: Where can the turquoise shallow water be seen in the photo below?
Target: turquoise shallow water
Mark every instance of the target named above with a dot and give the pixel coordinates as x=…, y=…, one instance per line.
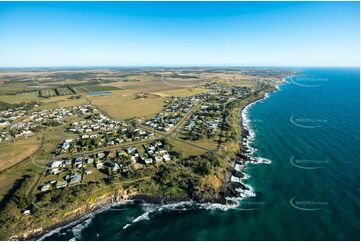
x=310, y=191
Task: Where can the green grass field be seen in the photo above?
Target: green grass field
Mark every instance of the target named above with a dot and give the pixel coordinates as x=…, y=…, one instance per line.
x=13, y=87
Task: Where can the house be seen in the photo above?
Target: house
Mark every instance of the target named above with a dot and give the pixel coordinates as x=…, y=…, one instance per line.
x=66, y=144
x=45, y=187
x=56, y=164
x=99, y=165
x=78, y=160
x=122, y=153
x=100, y=155
x=90, y=160
x=131, y=150
x=151, y=148
x=133, y=159
x=67, y=162
x=162, y=152
x=115, y=166
x=74, y=178
x=166, y=157
x=61, y=184
x=158, y=159
x=112, y=154
x=27, y=212
x=148, y=161
x=55, y=171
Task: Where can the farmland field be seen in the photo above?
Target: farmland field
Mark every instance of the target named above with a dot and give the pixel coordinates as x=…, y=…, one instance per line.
x=47, y=93
x=63, y=91
x=13, y=87
x=22, y=97
x=61, y=102
x=94, y=88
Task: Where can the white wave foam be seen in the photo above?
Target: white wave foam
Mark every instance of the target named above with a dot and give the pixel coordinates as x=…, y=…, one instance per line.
x=144, y=216
x=126, y=226
x=77, y=229
x=149, y=209
x=247, y=142
x=246, y=176
x=245, y=193
x=217, y=206
x=263, y=160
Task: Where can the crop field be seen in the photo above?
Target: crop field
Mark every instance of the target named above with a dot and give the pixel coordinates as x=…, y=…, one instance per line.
x=63, y=91
x=47, y=93
x=94, y=88
x=144, y=85
x=62, y=102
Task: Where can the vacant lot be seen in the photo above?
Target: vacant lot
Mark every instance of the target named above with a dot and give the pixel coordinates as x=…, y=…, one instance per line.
x=12, y=153
x=123, y=104
x=184, y=92
x=186, y=149
x=210, y=144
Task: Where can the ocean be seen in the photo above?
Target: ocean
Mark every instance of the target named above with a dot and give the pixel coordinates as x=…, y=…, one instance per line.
x=309, y=130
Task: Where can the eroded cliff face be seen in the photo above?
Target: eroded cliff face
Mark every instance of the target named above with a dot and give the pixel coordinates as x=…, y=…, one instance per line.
x=104, y=201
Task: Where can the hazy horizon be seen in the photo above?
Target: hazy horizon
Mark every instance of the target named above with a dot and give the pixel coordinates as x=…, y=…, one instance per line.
x=179, y=34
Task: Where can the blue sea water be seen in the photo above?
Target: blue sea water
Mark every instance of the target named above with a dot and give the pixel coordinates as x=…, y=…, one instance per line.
x=309, y=129
x=100, y=93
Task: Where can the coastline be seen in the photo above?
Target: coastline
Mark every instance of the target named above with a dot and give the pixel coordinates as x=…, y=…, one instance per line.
x=240, y=190
x=233, y=191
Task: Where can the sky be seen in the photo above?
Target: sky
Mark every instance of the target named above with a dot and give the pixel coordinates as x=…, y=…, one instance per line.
x=65, y=34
